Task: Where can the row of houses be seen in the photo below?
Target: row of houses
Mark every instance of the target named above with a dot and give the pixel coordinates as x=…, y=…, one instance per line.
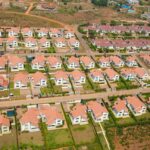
x=119, y=29
x=132, y=44
x=40, y=32
x=53, y=117
x=78, y=77
x=99, y=113
x=30, y=42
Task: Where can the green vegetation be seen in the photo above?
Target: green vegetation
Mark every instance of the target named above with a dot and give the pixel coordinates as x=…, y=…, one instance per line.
x=51, y=50
x=100, y=2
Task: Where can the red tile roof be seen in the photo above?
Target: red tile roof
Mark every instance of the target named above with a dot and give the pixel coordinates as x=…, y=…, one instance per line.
x=97, y=108
x=4, y=121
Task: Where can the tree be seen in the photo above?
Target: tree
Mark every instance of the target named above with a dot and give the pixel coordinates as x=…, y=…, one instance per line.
x=100, y=2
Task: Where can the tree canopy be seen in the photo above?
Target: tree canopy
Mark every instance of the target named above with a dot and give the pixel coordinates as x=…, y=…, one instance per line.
x=100, y=2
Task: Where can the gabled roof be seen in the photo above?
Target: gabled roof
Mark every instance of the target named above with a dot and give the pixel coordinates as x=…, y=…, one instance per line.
x=79, y=110
x=4, y=121
x=33, y=115
x=96, y=108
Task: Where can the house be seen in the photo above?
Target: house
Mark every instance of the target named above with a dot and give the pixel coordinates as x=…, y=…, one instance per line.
x=141, y=73
x=61, y=78
x=38, y=63
x=4, y=125
x=30, y=42
x=12, y=42
x=135, y=105
x=21, y=80
x=60, y=42
x=87, y=62
x=111, y=74
x=131, y=61
x=3, y=63
x=54, y=62
x=78, y=114
x=73, y=62
x=1, y=42
x=55, y=32
x=69, y=34
x=132, y=2
x=42, y=32
x=14, y=62
x=13, y=32
x=116, y=61
x=73, y=42
x=120, y=109
x=44, y=43
x=27, y=32
x=99, y=113
x=38, y=79
x=50, y=115
x=78, y=77
x=104, y=62
x=4, y=83
x=128, y=73
x=97, y=76
x=1, y=32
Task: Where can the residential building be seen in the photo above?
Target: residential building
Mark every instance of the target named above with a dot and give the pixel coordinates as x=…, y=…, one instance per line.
x=13, y=32
x=136, y=105
x=97, y=76
x=14, y=62
x=78, y=77
x=54, y=62
x=3, y=63
x=73, y=62
x=4, y=83
x=38, y=63
x=30, y=42
x=111, y=75
x=42, y=32
x=120, y=109
x=55, y=32
x=78, y=114
x=50, y=115
x=128, y=73
x=73, y=42
x=99, y=113
x=38, y=79
x=4, y=125
x=131, y=61
x=27, y=32
x=104, y=62
x=12, y=42
x=61, y=78
x=21, y=80
x=141, y=73
x=116, y=61
x=60, y=42
x=69, y=34
x=44, y=43
x=87, y=62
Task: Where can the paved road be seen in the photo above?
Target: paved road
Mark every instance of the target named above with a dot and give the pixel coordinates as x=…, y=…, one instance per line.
x=29, y=9
x=72, y=98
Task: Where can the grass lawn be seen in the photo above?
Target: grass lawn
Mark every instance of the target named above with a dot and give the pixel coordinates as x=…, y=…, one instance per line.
x=59, y=138
x=29, y=139
x=83, y=134
x=103, y=141
x=46, y=91
x=29, y=69
x=4, y=93
x=94, y=146
x=87, y=86
x=51, y=50
x=144, y=117
x=125, y=121
x=120, y=85
x=16, y=92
